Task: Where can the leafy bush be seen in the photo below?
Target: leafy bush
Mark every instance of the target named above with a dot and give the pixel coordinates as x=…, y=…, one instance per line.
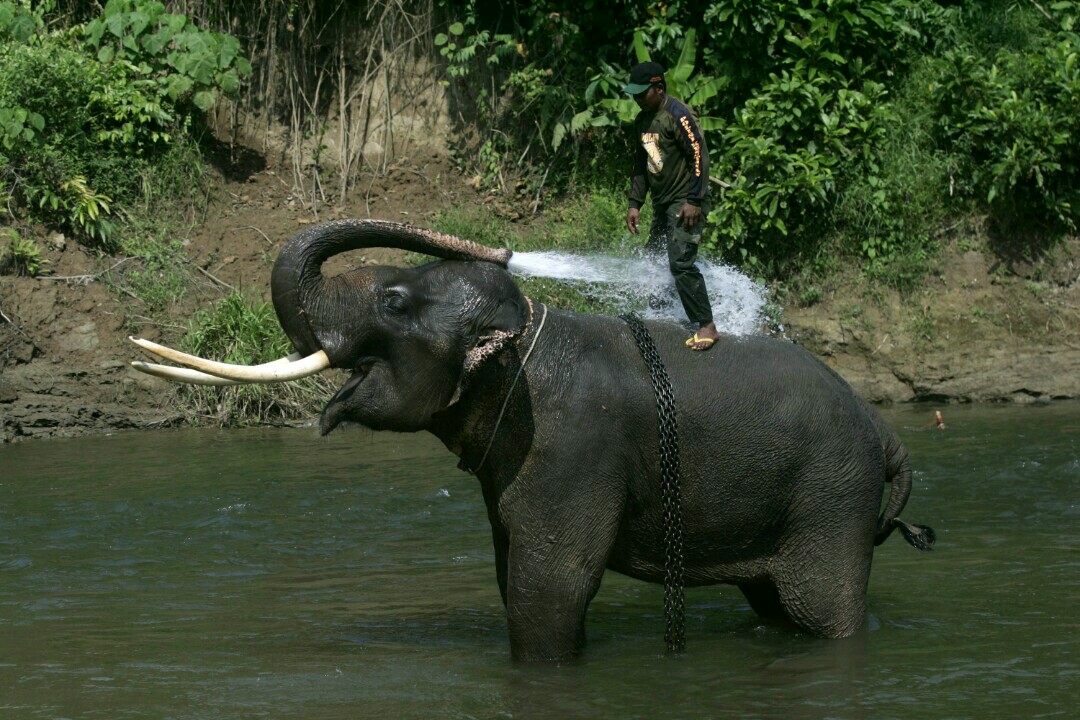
x=88, y=114
x=63, y=175
x=166, y=56
x=793, y=97
x=1014, y=118
x=789, y=149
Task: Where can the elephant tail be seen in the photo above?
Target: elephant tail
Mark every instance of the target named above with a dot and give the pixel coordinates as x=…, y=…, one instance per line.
x=898, y=473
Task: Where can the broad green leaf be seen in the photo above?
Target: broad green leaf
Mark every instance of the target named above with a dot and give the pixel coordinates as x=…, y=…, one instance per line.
x=580, y=120
x=22, y=27
x=204, y=100
x=178, y=86
x=175, y=23
x=227, y=51
x=158, y=41
x=115, y=24
x=94, y=30
x=590, y=91
x=200, y=66
x=684, y=68
x=138, y=21
x=624, y=107
x=7, y=14
x=640, y=51
x=710, y=123
x=105, y=54
x=229, y=82
x=558, y=135
x=456, y=28
x=708, y=91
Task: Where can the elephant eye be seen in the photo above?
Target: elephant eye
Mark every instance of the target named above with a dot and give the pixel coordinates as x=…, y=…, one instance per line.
x=394, y=301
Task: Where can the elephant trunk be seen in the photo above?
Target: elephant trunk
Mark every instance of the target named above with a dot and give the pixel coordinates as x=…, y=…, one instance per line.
x=297, y=274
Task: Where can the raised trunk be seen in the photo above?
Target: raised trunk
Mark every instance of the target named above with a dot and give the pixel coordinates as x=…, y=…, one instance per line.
x=297, y=275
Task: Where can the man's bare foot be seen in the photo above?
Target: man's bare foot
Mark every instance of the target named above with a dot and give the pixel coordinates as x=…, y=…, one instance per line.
x=704, y=338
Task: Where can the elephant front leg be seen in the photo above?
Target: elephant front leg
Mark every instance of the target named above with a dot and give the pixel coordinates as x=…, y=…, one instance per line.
x=549, y=589
x=502, y=554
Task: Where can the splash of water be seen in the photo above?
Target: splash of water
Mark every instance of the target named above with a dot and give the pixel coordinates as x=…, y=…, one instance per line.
x=644, y=284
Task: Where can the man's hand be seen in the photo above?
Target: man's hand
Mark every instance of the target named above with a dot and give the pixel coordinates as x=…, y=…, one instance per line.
x=632, y=220
x=689, y=216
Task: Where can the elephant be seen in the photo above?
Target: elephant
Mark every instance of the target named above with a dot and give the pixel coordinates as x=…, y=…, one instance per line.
x=783, y=467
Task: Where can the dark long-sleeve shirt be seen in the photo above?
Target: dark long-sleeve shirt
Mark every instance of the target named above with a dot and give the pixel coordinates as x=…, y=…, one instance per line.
x=671, y=160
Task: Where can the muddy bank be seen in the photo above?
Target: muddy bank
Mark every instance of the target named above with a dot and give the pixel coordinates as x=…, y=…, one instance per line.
x=978, y=332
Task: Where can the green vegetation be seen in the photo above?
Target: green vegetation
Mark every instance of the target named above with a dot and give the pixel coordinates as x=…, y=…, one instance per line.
x=19, y=255
x=846, y=129
x=245, y=331
x=93, y=115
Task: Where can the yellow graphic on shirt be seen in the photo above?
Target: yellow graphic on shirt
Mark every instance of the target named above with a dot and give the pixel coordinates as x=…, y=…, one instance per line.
x=651, y=143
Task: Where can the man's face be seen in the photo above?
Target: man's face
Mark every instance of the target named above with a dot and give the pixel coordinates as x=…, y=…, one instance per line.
x=650, y=99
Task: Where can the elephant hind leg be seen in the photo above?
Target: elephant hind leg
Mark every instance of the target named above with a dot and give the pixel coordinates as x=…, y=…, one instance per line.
x=764, y=599
x=827, y=599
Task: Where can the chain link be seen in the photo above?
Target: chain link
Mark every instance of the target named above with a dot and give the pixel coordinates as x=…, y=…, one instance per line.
x=674, y=571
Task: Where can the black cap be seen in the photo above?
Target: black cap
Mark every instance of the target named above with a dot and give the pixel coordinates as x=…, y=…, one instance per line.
x=643, y=76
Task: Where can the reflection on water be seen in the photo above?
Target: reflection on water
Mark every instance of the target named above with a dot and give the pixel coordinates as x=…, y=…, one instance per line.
x=267, y=573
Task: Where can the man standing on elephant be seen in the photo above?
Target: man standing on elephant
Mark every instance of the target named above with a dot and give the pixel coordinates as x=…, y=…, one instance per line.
x=671, y=161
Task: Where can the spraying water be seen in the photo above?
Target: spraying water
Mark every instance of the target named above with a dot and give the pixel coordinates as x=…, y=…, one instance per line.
x=644, y=284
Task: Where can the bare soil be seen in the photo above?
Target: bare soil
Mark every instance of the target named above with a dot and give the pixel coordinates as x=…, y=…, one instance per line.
x=979, y=332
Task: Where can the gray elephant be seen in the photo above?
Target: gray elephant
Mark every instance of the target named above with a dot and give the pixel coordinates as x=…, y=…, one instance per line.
x=783, y=466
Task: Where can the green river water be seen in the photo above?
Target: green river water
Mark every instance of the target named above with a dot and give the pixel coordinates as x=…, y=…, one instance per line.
x=274, y=574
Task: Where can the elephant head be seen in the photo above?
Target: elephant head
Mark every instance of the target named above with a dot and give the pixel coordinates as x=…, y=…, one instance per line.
x=408, y=336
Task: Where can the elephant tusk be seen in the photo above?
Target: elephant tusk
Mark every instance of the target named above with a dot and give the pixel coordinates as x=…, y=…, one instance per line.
x=183, y=375
x=291, y=368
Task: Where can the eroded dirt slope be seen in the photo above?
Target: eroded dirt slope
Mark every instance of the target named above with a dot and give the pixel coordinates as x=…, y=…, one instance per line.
x=979, y=332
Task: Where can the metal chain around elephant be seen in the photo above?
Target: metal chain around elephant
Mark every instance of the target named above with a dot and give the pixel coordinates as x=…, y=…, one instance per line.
x=674, y=570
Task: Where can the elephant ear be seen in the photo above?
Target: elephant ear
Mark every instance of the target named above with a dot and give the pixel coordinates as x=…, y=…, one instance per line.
x=496, y=328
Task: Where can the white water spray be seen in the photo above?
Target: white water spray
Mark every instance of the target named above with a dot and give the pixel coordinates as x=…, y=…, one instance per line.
x=644, y=284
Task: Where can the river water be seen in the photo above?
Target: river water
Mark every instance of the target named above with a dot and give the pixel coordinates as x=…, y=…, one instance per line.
x=271, y=573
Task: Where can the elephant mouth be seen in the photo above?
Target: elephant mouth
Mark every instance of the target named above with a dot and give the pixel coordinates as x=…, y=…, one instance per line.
x=334, y=412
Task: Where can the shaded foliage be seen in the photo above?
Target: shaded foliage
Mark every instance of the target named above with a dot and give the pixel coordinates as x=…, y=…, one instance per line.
x=90, y=115
x=815, y=111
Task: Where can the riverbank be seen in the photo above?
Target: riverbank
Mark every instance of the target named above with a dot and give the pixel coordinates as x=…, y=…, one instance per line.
x=981, y=330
